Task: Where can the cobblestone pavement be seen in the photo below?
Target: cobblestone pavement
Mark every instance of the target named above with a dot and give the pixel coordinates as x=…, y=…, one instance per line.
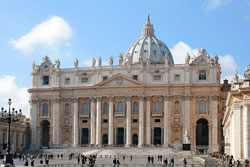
x=107, y=161
x=106, y=155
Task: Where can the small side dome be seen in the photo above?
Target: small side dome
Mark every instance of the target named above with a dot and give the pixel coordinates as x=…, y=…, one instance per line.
x=148, y=49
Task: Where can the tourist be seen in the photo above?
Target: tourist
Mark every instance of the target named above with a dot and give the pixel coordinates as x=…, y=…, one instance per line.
x=131, y=158
x=26, y=163
x=32, y=162
x=172, y=162
x=78, y=160
x=185, y=161
x=246, y=163
x=238, y=163
x=149, y=159
x=118, y=162
x=41, y=161
x=152, y=160
x=114, y=162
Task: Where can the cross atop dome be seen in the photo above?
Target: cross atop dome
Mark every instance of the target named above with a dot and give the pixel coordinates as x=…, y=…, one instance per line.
x=148, y=29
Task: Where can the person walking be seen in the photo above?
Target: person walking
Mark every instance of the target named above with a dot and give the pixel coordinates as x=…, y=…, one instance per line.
x=185, y=162
x=32, y=163
x=114, y=162
x=26, y=163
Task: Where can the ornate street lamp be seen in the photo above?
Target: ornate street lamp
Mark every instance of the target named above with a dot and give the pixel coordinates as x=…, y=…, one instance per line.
x=9, y=117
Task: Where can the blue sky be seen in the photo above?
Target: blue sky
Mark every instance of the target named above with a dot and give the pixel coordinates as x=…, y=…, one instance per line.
x=85, y=29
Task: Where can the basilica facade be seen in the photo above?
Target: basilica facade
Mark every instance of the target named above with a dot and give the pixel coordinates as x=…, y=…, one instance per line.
x=145, y=100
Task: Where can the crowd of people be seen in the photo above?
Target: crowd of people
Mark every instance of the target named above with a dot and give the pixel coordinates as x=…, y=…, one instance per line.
x=229, y=159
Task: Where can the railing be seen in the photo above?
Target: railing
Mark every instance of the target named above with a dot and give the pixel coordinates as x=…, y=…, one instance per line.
x=85, y=115
x=157, y=114
x=119, y=114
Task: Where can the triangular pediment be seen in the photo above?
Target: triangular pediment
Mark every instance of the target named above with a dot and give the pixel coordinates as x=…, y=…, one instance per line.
x=119, y=80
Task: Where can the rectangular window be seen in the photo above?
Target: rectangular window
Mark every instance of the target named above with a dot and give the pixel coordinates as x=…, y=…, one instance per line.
x=157, y=120
x=84, y=80
x=104, y=78
x=105, y=121
x=67, y=81
x=23, y=140
x=4, y=138
x=135, y=120
x=84, y=121
x=202, y=75
x=46, y=80
x=17, y=140
x=135, y=77
x=157, y=77
x=177, y=77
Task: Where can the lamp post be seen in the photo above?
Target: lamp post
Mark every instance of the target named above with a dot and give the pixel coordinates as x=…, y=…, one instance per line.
x=9, y=117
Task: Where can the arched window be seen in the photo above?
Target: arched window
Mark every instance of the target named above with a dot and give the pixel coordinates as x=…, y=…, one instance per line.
x=120, y=106
x=45, y=109
x=202, y=106
x=157, y=106
x=135, y=107
x=85, y=108
x=66, y=112
x=105, y=109
x=177, y=107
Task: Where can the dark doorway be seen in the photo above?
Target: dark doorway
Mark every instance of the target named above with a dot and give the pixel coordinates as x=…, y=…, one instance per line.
x=157, y=136
x=45, y=133
x=135, y=139
x=105, y=139
x=202, y=132
x=85, y=136
x=120, y=136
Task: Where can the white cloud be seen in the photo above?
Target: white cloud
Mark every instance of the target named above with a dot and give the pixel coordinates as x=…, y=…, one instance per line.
x=180, y=50
x=49, y=35
x=18, y=95
x=213, y=4
x=228, y=66
x=227, y=62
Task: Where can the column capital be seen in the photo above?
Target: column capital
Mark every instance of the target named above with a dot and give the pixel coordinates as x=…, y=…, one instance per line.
x=141, y=97
x=111, y=97
x=99, y=98
x=56, y=100
x=75, y=100
x=148, y=98
x=92, y=98
x=214, y=97
x=166, y=97
x=34, y=101
x=128, y=98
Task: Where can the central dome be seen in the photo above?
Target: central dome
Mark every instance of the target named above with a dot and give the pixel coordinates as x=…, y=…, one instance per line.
x=148, y=49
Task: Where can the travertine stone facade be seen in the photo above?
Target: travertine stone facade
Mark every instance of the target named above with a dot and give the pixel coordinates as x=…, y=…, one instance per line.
x=145, y=100
x=236, y=120
x=19, y=134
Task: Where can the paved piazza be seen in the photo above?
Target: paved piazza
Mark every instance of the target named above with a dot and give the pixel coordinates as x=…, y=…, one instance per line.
x=105, y=156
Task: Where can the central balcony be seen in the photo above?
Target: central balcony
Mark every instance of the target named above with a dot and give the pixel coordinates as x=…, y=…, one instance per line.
x=84, y=115
x=119, y=114
x=157, y=114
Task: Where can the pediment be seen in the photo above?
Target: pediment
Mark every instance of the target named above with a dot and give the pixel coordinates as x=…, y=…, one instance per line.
x=119, y=80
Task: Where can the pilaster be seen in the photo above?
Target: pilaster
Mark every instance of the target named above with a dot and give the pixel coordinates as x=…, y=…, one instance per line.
x=75, y=122
x=148, y=118
x=92, y=121
x=111, y=136
x=141, y=122
x=128, y=120
x=98, y=121
x=56, y=121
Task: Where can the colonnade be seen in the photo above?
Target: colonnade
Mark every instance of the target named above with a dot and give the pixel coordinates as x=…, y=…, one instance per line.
x=96, y=119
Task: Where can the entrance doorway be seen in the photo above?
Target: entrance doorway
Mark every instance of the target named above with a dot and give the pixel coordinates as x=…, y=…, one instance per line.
x=157, y=136
x=105, y=139
x=120, y=136
x=202, y=133
x=135, y=139
x=85, y=136
x=45, y=133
